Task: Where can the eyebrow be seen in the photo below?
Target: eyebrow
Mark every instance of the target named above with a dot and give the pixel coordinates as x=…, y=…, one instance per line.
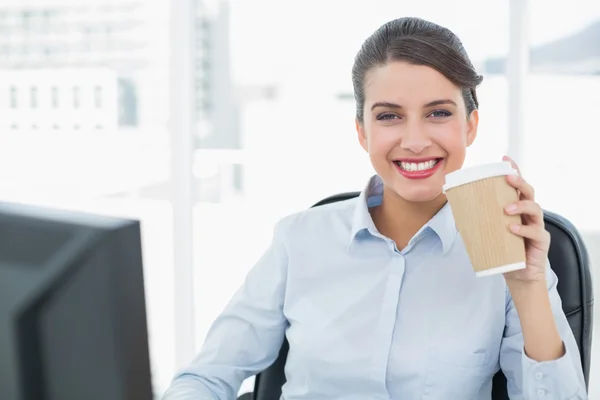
x=434, y=103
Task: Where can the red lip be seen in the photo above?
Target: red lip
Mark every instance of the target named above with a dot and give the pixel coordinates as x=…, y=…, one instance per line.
x=419, y=174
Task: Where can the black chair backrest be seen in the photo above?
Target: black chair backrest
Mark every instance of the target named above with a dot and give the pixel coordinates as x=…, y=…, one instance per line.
x=569, y=260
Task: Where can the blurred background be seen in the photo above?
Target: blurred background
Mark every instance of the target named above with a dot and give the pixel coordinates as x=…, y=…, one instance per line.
x=209, y=120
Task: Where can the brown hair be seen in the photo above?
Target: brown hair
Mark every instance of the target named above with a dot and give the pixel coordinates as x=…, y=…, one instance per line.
x=419, y=42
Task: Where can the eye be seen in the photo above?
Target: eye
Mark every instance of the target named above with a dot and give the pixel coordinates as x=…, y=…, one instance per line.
x=440, y=114
x=387, y=117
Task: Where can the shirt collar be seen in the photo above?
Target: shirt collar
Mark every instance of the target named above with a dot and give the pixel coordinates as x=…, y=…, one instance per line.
x=371, y=196
x=442, y=223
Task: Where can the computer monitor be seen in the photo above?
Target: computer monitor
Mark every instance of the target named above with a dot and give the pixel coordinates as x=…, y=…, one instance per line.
x=72, y=307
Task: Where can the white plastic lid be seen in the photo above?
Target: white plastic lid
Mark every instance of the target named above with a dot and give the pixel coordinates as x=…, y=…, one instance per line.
x=476, y=173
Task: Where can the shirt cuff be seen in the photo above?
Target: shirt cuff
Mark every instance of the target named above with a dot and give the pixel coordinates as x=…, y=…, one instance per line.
x=556, y=379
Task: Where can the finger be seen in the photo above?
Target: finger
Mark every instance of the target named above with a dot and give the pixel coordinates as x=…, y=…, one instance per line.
x=525, y=189
x=539, y=237
x=527, y=208
x=512, y=163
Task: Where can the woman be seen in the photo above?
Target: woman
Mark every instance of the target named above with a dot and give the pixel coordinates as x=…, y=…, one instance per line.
x=376, y=295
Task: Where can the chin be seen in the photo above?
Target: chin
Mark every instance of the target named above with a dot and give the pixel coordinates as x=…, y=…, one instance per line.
x=420, y=195
x=418, y=190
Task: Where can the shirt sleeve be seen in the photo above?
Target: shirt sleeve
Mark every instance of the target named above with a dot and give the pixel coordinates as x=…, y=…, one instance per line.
x=560, y=379
x=246, y=337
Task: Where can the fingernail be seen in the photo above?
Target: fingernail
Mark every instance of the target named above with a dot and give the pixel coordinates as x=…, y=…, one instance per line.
x=511, y=208
x=515, y=228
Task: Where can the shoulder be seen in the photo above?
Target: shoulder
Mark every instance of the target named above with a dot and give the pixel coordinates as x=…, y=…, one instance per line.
x=333, y=218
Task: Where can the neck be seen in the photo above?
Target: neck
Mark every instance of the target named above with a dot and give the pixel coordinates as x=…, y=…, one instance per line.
x=400, y=219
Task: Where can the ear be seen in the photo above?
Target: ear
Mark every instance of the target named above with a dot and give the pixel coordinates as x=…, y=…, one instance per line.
x=362, y=135
x=472, y=124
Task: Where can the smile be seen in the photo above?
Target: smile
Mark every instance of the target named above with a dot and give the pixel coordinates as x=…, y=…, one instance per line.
x=419, y=166
x=415, y=169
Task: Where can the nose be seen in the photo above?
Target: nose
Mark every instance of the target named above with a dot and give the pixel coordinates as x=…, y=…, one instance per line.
x=415, y=138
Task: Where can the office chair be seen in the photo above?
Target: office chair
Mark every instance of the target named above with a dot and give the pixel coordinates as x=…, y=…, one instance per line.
x=569, y=260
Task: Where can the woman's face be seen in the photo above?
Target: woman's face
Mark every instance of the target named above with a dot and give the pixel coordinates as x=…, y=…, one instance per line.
x=415, y=128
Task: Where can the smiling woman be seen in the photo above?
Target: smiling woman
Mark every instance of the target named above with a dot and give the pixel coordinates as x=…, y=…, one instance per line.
x=376, y=295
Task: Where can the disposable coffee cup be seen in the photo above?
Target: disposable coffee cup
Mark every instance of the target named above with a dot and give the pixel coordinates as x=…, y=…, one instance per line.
x=477, y=197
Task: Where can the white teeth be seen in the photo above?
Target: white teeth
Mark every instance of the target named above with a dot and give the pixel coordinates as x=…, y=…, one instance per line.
x=422, y=166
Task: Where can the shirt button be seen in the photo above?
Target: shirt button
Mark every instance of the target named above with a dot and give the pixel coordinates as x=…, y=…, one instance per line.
x=539, y=375
x=541, y=392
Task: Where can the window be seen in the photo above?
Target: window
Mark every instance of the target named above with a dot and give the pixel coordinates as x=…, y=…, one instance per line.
x=560, y=146
x=128, y=103
x=98, y=97
x=54, y=95
x=33, y=97
x=76, y=97
x=13, y=97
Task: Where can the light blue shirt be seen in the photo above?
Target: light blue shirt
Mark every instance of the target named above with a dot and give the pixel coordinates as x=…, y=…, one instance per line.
x=368, y=321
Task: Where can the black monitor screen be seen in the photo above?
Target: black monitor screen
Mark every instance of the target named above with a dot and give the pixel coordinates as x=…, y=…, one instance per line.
x=72, y=308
